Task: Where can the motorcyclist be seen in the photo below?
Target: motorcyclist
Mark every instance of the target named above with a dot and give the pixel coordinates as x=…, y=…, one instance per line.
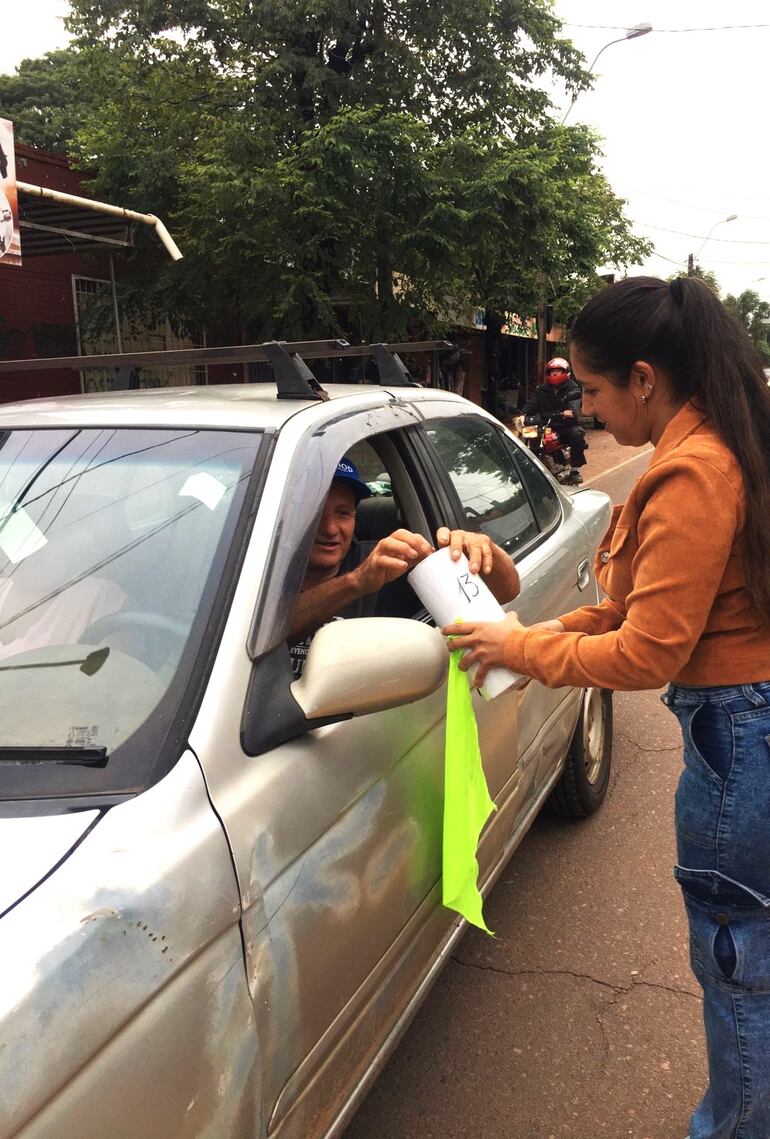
x=558, y=400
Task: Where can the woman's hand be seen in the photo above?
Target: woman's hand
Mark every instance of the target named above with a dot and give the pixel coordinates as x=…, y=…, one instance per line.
x=485, y=642
x=478, y=548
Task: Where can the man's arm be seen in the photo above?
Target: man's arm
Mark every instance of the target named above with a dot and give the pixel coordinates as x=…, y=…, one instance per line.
x=390, y=558
x=532, y=405
x=394, y=556
x=574, y=400
x=317, y=605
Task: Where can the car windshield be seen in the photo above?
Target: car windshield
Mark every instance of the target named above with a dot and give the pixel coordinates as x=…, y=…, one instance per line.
x=112, y=548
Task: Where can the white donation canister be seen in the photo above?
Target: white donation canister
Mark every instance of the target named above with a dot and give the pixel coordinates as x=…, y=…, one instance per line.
x=450, y=592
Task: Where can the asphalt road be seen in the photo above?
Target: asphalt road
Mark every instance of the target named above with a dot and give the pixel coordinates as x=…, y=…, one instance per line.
x=580, y=1019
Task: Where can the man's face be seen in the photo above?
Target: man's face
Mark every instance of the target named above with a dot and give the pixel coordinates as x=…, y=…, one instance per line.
x=335, y=530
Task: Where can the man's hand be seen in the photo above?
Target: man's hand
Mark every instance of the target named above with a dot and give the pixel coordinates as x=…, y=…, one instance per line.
x=485, y=642
x=390, y=558
x=484, y=557
x=476, y=547
x=568, y=414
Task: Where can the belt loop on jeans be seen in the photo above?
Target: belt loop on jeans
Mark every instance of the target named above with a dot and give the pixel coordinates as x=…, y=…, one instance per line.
x=755, y=697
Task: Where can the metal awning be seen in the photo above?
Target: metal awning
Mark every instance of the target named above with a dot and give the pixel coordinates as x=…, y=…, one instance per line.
x=53, y=222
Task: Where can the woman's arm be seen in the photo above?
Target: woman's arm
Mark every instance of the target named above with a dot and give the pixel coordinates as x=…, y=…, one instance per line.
x=686, y=531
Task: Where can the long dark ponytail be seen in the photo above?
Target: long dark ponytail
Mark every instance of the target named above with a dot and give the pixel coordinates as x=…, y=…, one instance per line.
x=684, y=329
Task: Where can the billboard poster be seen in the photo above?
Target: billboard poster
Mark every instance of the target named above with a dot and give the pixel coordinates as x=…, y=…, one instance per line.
x=10, y=242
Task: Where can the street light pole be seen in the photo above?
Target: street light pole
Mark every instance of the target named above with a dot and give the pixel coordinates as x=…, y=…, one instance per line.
x=631, y=34
x=694, y=256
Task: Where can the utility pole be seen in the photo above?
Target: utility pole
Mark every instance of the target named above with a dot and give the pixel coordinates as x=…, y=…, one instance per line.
x=541, y=322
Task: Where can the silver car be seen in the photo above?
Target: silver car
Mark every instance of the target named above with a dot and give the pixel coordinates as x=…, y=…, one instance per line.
x=221, y=895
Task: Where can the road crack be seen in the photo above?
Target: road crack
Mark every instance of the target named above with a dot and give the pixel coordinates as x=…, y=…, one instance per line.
x=675, y=749
x=616, y=989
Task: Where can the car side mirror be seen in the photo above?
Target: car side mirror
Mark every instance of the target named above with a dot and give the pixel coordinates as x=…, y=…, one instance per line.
x=353, y=668
x=369, y=664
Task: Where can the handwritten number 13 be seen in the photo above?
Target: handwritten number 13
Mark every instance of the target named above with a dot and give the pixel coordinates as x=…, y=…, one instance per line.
x=466, y=584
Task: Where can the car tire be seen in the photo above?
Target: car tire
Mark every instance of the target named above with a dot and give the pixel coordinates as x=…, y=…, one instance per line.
x=586, y=776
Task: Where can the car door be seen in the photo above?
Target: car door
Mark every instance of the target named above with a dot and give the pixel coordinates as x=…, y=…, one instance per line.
x=500, y=490
x=336, y=835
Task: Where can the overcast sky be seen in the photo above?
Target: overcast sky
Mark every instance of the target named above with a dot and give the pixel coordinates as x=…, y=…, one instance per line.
x=682, y=115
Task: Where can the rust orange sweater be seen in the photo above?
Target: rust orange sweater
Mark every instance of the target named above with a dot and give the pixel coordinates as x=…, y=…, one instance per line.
x=672, y=567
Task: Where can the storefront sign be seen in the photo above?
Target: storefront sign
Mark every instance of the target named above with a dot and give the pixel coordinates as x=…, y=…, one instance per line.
x=518, y=326
x=10, y=242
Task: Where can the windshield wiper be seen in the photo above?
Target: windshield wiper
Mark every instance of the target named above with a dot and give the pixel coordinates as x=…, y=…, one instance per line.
x=80, y=756
x=90, y=665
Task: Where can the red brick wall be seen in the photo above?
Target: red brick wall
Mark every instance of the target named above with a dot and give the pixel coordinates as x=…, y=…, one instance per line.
x=36, y=307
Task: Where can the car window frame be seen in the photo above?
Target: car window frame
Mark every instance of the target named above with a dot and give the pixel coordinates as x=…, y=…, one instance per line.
x=296, y=520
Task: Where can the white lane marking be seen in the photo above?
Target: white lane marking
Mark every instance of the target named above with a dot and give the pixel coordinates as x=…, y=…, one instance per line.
x=617, y=467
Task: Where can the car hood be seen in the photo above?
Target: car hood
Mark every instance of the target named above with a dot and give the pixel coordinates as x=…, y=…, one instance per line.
x=31, y=847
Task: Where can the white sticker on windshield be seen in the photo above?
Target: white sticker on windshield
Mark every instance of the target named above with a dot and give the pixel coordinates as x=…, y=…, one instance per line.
x=19, y=536
x=205, y=488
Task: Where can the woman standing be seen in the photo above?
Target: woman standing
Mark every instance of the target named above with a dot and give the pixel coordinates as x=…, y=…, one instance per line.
x=686, y=570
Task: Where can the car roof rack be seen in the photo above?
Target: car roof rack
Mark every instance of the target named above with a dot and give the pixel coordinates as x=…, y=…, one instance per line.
x=293, y=377
x=391, y=370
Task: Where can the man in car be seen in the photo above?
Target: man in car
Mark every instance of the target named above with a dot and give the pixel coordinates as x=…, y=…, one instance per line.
x=558, y=400
x=343, y=576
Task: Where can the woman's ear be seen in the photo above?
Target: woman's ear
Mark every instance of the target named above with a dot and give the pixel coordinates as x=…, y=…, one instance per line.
x=642, y=376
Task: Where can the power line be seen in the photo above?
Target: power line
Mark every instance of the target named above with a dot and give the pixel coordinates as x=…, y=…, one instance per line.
x=681, y=261
x=715, y=28
x=706, y=209
x=699, y=236
x=711, y=260
x=733, y=196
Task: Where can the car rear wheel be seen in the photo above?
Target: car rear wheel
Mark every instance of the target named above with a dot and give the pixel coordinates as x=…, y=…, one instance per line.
x=586, y=776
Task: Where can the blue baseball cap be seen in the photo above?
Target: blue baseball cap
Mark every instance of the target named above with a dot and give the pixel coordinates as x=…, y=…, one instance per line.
x=347, y=472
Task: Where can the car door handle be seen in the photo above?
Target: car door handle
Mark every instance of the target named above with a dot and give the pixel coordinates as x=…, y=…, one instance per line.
x=584, y=574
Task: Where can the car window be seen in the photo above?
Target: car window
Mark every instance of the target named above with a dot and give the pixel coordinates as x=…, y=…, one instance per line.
x=486, y=479
x=371, y=468
x=376, y=517
x=544, y=499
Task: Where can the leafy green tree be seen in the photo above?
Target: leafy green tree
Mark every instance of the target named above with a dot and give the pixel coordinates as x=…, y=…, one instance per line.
x=46, y=99
x=708, y=276
x=349, y=167
x=754, y=314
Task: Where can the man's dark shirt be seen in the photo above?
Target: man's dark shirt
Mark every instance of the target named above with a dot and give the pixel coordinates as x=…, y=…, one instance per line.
x=552, y=400
x=362, y=607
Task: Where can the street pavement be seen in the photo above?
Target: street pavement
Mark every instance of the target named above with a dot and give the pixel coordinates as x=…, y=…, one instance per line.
x=581, y=1018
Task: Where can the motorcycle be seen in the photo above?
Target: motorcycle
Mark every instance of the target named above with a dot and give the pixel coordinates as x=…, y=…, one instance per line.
x=544, y=442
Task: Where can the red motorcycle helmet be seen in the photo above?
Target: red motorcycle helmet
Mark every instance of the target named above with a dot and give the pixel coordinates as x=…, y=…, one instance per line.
x=557, y=371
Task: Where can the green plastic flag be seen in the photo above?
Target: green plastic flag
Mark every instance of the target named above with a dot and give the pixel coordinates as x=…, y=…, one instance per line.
x=467, y=803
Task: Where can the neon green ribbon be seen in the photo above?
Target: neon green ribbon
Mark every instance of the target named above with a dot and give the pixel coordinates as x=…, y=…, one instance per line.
x=467, y=802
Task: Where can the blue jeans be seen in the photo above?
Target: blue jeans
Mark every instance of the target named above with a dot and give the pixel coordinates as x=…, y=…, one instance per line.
x=723, y=848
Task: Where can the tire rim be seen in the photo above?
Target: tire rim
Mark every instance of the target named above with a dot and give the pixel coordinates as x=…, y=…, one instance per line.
x=594, y=729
